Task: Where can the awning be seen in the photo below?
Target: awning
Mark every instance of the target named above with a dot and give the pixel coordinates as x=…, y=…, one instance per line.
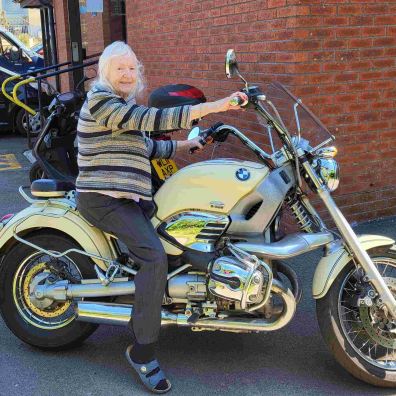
x=34, y=3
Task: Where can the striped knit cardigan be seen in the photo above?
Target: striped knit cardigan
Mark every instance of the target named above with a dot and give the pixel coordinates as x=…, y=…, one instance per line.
x=113, y=152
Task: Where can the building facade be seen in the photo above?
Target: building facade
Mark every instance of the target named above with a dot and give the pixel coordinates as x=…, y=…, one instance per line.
x=338, y=56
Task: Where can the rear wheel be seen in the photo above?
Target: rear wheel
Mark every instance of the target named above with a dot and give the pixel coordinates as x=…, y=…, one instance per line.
x=46, y=324
x=361, y=336
x=36, y=172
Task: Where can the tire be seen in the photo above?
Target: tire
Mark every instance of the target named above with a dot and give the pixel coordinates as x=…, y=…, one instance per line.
x=36, y=172
x=21, y=125
x=350, y=331
x=53, y=328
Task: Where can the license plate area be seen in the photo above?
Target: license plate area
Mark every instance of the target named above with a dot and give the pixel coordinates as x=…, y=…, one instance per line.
x=164, y=167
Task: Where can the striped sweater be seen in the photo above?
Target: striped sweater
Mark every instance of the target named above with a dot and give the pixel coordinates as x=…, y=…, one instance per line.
x=113, y=152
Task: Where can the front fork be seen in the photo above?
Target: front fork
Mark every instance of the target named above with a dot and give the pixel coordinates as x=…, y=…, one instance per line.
x=352, y=241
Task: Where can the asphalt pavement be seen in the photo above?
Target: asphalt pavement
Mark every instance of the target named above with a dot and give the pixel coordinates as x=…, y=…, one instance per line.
x=291, y=361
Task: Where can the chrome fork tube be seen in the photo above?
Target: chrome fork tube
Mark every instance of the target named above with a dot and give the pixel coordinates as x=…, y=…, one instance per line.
x=353, y=243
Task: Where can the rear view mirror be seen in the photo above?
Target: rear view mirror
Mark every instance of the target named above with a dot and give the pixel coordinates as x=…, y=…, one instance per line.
x=231, y=64
x=15, y=54
x=194, y=133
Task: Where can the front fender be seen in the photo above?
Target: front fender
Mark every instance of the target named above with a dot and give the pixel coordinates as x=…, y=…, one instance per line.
x=331, y=265
x=61, y=218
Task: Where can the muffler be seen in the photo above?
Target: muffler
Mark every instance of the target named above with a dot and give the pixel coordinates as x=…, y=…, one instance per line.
x=119, y=314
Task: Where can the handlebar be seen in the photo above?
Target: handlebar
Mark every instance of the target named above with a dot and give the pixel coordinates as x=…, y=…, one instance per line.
x=205, y=136
x=237, y=101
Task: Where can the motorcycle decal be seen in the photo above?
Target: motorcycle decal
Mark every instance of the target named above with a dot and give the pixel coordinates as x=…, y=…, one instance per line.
x=242, y=174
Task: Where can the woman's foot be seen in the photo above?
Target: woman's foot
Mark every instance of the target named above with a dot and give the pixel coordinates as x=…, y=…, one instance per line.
x=149, y=373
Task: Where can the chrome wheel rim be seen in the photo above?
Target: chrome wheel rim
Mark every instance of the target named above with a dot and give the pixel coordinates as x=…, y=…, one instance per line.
x=367, y=330
x=59, y=314
x=34, y=124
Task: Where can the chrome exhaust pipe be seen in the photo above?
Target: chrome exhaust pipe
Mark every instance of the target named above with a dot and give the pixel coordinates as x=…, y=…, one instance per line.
x=119, y=314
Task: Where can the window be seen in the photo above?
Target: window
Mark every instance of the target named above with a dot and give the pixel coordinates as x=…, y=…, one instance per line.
x=117, y=7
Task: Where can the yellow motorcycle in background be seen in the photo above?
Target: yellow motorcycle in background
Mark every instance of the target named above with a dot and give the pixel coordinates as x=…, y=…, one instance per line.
x=219, y=223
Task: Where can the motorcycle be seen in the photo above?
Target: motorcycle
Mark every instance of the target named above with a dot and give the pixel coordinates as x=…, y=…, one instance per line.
x=230, y=270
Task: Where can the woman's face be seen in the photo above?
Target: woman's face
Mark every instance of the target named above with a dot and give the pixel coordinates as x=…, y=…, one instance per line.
x=122, y=74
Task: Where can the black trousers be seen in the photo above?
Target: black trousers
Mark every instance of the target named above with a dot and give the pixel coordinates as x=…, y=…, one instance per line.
x=129, y=221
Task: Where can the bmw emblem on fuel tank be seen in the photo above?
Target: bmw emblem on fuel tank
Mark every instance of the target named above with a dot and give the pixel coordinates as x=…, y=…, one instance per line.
x=242, y=174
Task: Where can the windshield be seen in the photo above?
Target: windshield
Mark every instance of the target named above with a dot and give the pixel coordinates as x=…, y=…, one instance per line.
x=293, y=115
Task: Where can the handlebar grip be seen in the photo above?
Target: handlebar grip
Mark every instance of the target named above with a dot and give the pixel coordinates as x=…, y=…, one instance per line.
x=237, y=101
x=194, y=149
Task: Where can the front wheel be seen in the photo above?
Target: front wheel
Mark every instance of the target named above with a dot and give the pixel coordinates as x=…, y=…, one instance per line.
x=46, y=324
x=361, y=337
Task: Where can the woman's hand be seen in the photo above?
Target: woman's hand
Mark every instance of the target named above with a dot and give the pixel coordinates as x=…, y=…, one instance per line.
x=225, y=104
x=200, y=110
x=186, y=145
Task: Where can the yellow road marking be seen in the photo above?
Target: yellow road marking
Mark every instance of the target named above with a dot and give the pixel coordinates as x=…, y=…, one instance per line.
x=8, y=162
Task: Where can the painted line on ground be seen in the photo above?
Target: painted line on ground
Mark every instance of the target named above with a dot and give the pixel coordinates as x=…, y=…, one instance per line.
x=9, y=162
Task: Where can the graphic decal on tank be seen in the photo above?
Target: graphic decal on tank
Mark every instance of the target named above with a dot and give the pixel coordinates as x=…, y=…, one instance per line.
x=242, y=174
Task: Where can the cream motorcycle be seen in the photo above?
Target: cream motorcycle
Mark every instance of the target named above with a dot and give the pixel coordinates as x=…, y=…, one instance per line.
x=230, y=266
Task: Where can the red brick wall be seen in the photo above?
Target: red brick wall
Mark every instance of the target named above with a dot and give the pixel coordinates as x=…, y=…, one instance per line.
x=337, y=55
x=62, y=39
x=347, y=72
x=96, y=33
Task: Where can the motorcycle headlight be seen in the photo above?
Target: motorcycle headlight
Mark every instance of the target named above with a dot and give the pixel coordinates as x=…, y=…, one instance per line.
x=329, y=172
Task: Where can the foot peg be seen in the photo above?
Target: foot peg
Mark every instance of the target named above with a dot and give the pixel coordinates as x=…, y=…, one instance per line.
x=114, y=268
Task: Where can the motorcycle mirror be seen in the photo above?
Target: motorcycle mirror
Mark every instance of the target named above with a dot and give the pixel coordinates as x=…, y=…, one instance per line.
x=231, y=66
x=194, y=133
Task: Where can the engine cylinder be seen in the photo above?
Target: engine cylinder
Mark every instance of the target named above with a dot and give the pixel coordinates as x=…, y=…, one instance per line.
x=187, y=286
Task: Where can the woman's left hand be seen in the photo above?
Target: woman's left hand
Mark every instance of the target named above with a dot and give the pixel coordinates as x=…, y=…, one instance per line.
x=226, y=103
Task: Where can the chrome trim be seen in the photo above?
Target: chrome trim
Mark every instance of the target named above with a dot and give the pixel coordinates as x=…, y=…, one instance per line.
x=120, y=314
x=327, y=152
x=188, y=287
x=63, y=290
x=178, y=270
x=329, y=171
x=290, y=246
x=196, y=230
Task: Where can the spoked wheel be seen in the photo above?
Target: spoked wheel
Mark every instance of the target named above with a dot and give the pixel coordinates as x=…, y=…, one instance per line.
x=356, y=325
x=44, y=323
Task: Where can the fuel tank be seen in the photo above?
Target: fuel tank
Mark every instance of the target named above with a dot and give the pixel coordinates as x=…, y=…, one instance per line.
x=209, y=186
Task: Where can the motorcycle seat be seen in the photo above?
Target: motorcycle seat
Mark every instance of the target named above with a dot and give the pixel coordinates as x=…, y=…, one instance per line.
x=51, y=188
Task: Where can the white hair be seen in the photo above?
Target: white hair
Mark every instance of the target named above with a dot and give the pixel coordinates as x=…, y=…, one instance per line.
x=118, y=48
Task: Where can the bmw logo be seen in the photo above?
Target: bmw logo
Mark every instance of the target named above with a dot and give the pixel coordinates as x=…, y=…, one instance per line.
x=242, y=174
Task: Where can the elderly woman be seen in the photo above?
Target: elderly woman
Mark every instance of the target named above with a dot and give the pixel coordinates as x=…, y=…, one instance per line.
x=114, y=183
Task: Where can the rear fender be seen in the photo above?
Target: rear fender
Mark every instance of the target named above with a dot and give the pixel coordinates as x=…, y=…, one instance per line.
x=331, y=265
x=61, y=218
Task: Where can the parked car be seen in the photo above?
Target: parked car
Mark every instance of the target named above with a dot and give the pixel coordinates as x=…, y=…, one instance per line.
x=38, y=48
x=16, y=58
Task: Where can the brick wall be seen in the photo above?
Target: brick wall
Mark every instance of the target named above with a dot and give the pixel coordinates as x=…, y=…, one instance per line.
x=338, y=56
x=62, y=39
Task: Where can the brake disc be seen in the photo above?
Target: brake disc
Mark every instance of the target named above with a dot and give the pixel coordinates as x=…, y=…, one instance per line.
x=369, y=317
x=52, y=312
